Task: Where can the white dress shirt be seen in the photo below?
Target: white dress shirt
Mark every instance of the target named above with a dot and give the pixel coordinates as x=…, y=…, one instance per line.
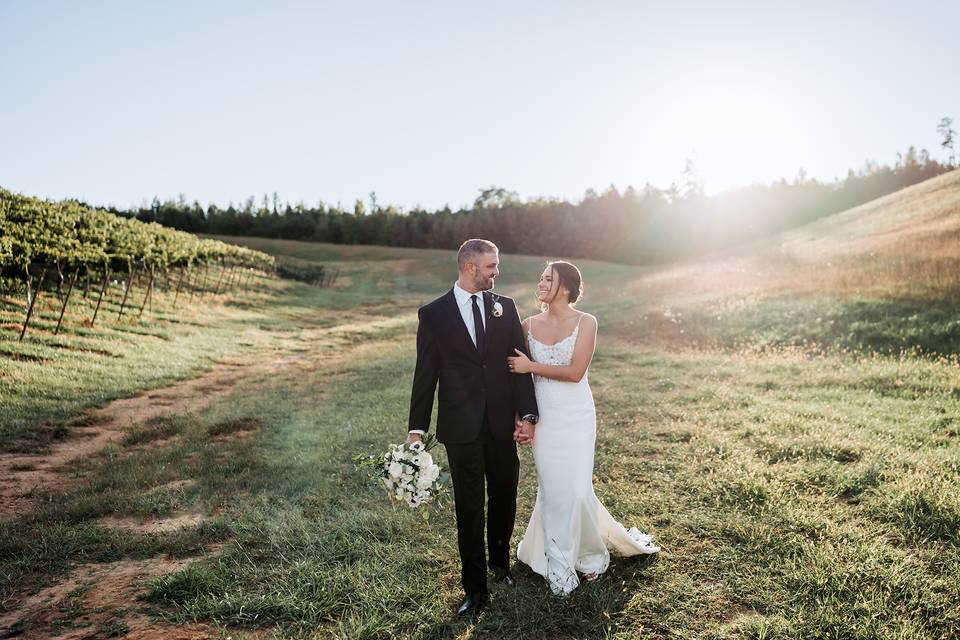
x=465, y=302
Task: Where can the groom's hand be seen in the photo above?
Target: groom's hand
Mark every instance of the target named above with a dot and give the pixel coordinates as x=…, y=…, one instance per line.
x=523, y=432
x=414, y=437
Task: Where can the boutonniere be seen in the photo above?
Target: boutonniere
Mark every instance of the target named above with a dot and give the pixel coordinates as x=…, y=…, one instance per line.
x=497, y=309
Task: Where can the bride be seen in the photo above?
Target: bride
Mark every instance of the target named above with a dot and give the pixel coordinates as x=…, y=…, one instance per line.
x=569, y=531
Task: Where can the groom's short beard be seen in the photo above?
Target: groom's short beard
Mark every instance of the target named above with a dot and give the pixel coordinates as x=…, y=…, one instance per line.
x=483, y=284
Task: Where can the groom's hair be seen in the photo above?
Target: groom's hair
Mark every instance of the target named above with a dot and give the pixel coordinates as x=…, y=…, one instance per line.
x=473, y=248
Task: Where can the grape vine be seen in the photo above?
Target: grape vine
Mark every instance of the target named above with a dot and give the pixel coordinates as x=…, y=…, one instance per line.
x=43, y=241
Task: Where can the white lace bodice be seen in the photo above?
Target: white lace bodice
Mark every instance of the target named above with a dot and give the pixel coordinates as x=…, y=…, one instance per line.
x=557, y=354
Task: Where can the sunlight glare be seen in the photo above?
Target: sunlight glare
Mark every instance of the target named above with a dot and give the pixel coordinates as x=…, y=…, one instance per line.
x=736, y=133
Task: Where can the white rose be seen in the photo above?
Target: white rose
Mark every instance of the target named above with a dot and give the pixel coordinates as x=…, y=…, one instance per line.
x=424, y=482
x=395, y=470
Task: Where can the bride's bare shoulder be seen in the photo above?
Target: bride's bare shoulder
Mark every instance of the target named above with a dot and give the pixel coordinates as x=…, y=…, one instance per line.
x=588, y=320
x=526, y=321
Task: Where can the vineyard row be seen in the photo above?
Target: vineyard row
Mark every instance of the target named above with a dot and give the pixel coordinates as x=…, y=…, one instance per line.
x=63, y=243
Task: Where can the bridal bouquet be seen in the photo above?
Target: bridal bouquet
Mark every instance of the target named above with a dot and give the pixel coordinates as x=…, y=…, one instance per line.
x=408, y=472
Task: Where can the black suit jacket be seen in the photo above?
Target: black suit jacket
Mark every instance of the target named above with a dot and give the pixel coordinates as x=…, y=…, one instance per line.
x=471, y=383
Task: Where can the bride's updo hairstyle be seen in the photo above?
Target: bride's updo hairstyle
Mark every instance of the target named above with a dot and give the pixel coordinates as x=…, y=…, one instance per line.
x=568, y=277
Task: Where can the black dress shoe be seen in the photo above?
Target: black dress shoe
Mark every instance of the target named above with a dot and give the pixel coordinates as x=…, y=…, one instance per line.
x=502, y=577
x=473, y=604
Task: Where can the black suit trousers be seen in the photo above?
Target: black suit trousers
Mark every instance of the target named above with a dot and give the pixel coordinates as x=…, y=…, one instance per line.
x=496, y=462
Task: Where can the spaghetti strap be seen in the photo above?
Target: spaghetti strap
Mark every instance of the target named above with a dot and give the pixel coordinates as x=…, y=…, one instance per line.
x=577, y=328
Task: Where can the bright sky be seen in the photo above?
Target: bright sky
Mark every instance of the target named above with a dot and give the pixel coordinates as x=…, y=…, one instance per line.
x=427, y=102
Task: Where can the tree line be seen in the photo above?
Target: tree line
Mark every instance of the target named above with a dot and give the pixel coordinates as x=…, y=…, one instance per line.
x=632, y=225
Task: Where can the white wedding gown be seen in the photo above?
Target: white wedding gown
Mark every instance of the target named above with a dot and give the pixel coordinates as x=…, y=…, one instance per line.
x=569, y=530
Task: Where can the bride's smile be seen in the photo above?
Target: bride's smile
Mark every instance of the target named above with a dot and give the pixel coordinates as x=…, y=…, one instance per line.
x=546, y=291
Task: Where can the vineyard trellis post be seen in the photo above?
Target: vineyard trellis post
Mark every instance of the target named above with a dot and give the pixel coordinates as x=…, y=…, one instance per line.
x=103, y=288
x=131, y=271
x=86, y=283
x=231, y=276
x=183, y=270
x=60, y=279
x=193, y=285
x=203, y=281
x=146, y=297
x=66, y=299
x=234, y=272
x=223, y=270
x=32, y=295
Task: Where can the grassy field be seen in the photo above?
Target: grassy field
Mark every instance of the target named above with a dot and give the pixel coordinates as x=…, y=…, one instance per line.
x=784, y=419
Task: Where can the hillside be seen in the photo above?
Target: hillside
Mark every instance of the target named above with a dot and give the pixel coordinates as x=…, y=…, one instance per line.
x=797, y=480
x=883, y=276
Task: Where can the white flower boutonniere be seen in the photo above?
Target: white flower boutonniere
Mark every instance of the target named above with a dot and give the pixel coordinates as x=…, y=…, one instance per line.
x=497, y=310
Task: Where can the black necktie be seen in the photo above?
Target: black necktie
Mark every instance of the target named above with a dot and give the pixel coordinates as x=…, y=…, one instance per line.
x=477, y=323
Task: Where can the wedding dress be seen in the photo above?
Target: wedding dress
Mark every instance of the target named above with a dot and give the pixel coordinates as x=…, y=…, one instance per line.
x=569, y=530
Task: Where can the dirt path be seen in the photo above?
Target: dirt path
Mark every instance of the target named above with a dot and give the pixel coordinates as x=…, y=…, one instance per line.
x=92, y=602
x=99, y=600
x=26, y=476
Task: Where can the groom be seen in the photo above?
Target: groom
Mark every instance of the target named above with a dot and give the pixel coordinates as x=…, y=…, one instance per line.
x=463, y=341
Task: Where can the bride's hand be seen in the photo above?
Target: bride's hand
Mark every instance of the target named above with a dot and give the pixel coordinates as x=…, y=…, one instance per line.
x=519, y=363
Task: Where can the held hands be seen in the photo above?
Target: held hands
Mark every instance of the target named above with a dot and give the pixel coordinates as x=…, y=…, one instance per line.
x=523, y=431
x=414, y=438
x=519, y=363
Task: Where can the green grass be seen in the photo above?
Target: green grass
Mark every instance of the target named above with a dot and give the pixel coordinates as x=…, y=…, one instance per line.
x=802, y=477
x=47, y=379
x=856, y=325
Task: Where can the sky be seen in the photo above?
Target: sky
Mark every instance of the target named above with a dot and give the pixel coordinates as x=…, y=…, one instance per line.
x=426, y=103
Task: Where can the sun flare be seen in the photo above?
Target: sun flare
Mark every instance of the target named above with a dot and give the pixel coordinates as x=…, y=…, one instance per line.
x=736, y=133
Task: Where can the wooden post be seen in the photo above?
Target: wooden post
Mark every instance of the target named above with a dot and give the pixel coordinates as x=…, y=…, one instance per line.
x=86, y=284
x=203, y=282
x=183, y=271
x=59, y=281
x=33, y=299
x=131, y=271
x=147, y=296
x=219, y=280
x=103, y=288
x=193, y=287
x=66, y=299
x=230, y=278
